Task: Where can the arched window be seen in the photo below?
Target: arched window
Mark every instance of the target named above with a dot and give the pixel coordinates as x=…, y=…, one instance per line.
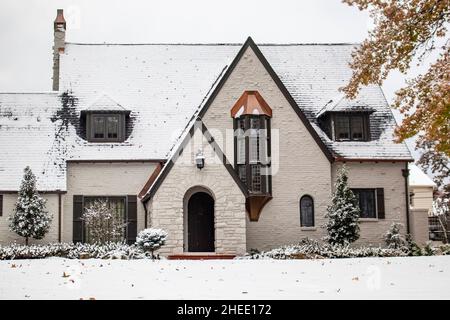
x=306, y=211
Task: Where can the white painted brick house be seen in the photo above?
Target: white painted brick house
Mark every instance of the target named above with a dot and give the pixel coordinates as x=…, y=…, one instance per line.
x=227, y=147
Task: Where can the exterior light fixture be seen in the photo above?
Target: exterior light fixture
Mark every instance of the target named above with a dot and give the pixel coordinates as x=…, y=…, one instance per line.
x=200, y=159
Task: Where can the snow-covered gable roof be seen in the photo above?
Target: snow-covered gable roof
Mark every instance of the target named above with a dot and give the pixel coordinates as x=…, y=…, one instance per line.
x=418, y=178
x=163, y=86
x=105, y=103
x=313, y=75
x=28, y=138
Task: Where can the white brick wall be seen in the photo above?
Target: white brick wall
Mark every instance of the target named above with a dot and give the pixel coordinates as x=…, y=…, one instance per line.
x=422, y=197
x=167, y=207
x=385, y=175
x=303, y=168
x=7, y=236
x=104, y=179
x=419, y=225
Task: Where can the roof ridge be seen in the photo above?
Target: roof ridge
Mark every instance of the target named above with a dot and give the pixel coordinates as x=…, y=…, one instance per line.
x=215, y=44
x=41, y=92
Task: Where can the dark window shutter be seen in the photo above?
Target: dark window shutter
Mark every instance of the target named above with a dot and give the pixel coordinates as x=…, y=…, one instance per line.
x=132, y=219
x=77, y=222
x=1, y=205
x=380, y=203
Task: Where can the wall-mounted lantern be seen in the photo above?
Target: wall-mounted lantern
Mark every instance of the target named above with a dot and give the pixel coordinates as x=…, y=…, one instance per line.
x=200, y=159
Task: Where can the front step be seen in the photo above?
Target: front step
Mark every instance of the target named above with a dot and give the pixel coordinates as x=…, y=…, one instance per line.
x=201, y=256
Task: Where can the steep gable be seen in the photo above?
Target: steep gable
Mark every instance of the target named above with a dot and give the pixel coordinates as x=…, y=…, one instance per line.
x=188, y=143
x=247, y=82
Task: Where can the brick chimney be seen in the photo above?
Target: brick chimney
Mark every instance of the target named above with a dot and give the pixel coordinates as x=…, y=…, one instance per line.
x=59, y=43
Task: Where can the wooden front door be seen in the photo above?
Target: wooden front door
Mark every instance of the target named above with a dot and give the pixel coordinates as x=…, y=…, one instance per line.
x=201, y=223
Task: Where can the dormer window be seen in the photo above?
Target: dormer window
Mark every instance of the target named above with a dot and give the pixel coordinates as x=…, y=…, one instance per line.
x=346, y=126
x=350, y=127
x=105, y=121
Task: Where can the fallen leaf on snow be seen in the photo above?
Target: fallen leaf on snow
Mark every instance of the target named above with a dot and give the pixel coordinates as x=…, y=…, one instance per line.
x=65, y=275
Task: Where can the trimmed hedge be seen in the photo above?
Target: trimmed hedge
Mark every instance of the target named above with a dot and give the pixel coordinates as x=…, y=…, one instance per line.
x=313, y=249
x=72, y=251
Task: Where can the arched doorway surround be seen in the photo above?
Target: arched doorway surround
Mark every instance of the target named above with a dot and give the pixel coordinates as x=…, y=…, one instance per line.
x=199, y=228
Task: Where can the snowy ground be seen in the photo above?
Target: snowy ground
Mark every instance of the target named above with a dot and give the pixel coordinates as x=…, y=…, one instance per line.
x=365, y=278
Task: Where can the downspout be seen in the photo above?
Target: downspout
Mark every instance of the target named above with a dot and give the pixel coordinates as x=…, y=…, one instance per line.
x=405, y=173
x=146, y=213
x=59, y=215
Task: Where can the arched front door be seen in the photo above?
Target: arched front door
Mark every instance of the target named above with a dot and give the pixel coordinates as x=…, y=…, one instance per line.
x=201, y=223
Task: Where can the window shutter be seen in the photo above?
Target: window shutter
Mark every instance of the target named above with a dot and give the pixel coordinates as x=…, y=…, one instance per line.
x=380, y=203
x=1, y=205
x=77, y=222
x=132, y=219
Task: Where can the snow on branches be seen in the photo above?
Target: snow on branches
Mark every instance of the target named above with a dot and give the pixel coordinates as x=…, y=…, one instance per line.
x=151, y=239
x=343, y=213
x=30, y=219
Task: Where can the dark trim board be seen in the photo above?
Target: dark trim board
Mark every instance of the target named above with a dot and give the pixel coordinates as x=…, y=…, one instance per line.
x=117, y=161
x=405, y=174
x=250, y=43
x=198, y=124
x=339, y=159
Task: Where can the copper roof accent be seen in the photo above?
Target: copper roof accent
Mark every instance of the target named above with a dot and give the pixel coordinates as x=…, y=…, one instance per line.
x=151, y=179
x=251, y=102
x=254, y=205
x=60, y=17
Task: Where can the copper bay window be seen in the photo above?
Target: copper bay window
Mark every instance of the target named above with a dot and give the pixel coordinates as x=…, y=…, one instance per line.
x=252, y=152
x=252, y=149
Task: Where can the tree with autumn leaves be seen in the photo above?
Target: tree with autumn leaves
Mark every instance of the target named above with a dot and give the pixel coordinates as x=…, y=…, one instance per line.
x=406, y=31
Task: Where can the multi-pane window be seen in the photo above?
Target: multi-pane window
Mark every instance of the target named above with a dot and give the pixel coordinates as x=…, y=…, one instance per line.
x=112, y=127
x=306, y=211
x=99, y=127
x=252, y=147
x=350, y=127
x=106, y=127
x=116, y=216
x=367, y=202
x=342, y=128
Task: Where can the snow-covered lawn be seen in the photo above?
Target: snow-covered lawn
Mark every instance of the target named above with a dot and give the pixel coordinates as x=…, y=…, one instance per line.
x=363, y=278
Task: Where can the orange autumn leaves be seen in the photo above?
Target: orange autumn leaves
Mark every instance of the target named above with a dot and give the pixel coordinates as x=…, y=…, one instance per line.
x=407, y=29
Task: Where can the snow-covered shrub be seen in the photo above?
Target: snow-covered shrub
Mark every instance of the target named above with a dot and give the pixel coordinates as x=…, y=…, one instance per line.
x=313, y=249
x=151, y=239
x=393, y=238
x=343, y=213
x=72, y=251
x=412, y=247
x=109, y=250
x=30, y=219
x=428, y=249
x=102, y=222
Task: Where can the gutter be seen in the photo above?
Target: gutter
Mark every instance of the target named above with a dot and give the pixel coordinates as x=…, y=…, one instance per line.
x=59, y=216
x=405, y=174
